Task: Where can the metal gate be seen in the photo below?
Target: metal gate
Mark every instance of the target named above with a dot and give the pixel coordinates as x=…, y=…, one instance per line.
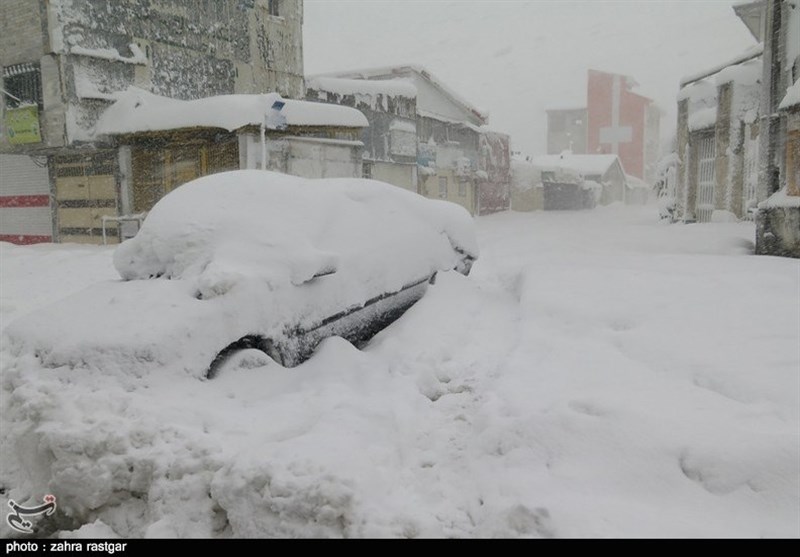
x=706, y=182
x=749, y=173
x=86, y=191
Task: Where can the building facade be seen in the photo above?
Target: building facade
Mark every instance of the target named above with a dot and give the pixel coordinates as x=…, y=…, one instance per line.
x=458, y=158
x=390, y=141
x=64, y=63
x=567, y=131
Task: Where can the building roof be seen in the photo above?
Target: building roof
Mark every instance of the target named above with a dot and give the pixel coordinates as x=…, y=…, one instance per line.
x=344, y=86
x=584, y=164
x=752, y=15
x=137, y=110
x=751, y=53
x=399, y=71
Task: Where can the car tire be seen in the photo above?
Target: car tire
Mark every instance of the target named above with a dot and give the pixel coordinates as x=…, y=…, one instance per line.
x=246, y=343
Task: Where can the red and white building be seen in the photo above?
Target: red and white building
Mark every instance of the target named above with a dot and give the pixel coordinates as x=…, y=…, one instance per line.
x=618, y=122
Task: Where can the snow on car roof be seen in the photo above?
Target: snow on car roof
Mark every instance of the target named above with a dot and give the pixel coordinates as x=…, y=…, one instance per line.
x=285, y=229
x=137, y=110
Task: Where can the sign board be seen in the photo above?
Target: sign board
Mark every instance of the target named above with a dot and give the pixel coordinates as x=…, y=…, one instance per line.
x=22, y=125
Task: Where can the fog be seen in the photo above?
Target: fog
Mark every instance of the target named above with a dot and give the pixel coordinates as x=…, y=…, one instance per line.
x=518, y=58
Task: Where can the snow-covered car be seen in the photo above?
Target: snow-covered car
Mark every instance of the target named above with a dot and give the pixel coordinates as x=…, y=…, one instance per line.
x=254, y=260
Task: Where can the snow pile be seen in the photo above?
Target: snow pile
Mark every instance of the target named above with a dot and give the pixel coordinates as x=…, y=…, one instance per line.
x=289, y=229
x=598, y=374
x=792, y=97
x=704, y=118
x=780, y=198
x=744, y=74
x=242, y=250
x=137, y=56
x=137, y=110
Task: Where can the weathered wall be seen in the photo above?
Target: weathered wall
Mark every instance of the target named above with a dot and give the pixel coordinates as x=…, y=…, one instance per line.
x=778, y=231
x=184, y=49
x=22, y=36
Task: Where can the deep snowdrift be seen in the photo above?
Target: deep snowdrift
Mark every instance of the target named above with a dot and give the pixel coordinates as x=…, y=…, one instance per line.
x=598, y=374
x=234, y=254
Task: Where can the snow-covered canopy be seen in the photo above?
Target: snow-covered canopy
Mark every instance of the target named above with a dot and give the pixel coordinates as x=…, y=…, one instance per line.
x=584, y=164
x=137, y=110
x=343, y=86
x=749, y=54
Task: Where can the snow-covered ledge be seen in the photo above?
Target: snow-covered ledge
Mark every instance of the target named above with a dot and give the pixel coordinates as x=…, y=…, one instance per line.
x=778, y=225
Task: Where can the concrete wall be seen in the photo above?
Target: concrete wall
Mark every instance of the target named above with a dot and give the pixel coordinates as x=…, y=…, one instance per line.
x=566, y=129
x=22, y=31
x=401, y=175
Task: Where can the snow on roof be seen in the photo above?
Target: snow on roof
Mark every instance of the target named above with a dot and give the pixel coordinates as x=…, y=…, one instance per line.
x=565, y=108
x=749, y=54
x=369, y=73
x=636, y=183
x=137, y=110
x=746, y=73
x=703, y=118
x=343, y=86
x=792, y=97
x=585, y=164
x=702, y=91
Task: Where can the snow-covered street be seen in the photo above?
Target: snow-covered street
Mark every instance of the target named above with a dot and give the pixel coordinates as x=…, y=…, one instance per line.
x=599, y=373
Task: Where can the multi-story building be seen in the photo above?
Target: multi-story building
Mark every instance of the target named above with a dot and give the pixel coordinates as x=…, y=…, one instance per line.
x=65, y=63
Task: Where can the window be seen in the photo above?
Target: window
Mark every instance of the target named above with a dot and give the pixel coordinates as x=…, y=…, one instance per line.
x=548, y=176
x=274, y=7
x=22, y=84
x=443, y=187
x=462, y=188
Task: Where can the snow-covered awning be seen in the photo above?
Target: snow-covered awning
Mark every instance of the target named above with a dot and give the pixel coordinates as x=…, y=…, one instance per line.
x=584, y=164
x=753, y=52
x=137, y=110
x=343, y=86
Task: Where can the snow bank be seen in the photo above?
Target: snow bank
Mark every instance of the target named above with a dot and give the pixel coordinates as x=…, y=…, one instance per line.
x=137, y=110
x=242, y=250
x=597, y=375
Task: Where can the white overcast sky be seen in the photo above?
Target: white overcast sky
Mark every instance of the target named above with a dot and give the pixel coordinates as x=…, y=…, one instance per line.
x=515, y=58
